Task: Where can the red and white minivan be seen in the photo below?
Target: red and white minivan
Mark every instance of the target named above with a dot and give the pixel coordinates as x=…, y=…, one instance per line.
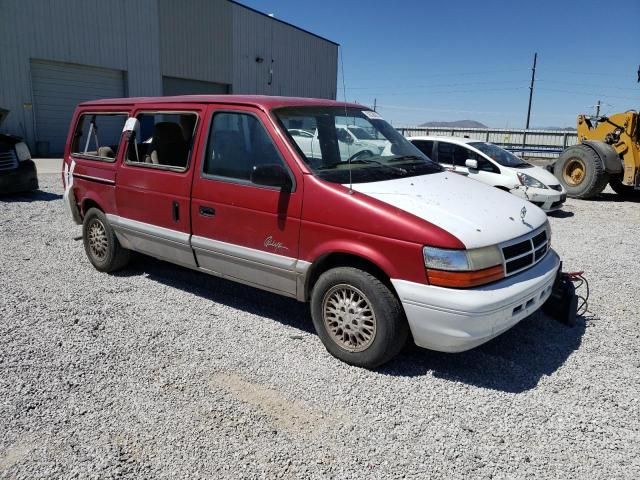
x=383, y=243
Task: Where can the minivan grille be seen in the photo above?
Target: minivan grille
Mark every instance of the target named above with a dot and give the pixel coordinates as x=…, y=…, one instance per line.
x=8, y=160
x=525, y=253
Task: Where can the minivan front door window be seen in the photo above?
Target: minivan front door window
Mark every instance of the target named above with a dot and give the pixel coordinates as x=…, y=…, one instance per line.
x=238, y=143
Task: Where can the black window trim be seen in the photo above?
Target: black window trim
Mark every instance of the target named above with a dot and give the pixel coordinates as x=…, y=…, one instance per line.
x=470, y=149
x=169, y=168
x=240, y=181
x=486, y=157
x=431, y=155
x=97, y=158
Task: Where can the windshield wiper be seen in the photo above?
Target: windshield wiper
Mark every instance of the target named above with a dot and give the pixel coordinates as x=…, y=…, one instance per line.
x=401, y=158
x=399, y=170
x=424, y=160
x=380, y=164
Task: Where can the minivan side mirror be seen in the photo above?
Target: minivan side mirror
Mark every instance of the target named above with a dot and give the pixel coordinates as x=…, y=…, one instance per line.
x=271, y=175
x=471, y=164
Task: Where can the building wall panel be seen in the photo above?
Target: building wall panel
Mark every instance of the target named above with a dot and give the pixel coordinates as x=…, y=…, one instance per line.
x=114, y=34
x=302, y=64
x=59, y=87
x=207, y=40
x=195, y=40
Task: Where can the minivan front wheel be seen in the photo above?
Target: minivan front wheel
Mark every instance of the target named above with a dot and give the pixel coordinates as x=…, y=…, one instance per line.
x=358, y=318
x=101, y=244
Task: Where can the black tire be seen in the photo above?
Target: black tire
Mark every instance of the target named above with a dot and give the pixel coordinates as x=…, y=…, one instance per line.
x=626, y=191
x=103, y=248
x=391, y=328
x=594, y=178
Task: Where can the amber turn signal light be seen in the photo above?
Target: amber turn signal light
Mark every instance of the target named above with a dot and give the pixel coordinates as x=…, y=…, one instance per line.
x=463, y=279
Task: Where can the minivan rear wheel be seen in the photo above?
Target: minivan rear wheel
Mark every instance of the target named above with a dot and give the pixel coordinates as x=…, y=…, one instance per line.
x=101, y=244
x=357, y=317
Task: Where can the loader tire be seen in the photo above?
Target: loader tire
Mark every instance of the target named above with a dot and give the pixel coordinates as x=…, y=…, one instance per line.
x=581, y=172
x=625, y=191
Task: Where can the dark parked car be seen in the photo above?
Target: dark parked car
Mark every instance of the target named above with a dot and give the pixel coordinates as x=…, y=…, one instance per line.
x=17, y=171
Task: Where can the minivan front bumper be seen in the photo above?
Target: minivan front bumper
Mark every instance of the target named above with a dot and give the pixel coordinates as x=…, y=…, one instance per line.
x=455, y=320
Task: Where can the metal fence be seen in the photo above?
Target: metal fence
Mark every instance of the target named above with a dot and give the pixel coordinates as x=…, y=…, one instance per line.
x=528, y=143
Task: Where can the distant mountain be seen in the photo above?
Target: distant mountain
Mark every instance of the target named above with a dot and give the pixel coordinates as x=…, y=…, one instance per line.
x=456, y=124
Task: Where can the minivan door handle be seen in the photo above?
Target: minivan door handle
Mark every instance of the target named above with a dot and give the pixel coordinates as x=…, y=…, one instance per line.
x=207, y=211
x=176, y=211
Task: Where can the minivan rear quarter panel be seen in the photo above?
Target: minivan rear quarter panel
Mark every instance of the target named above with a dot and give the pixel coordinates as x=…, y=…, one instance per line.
x=93, y=178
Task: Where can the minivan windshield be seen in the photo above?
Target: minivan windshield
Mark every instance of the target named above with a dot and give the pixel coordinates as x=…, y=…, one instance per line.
x=360, y=133
x=500, y=155
x=375, y=152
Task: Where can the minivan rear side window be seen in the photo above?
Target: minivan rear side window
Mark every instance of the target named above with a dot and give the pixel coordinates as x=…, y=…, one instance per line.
x=162, y=140
x=237, y=143
x=97, y=135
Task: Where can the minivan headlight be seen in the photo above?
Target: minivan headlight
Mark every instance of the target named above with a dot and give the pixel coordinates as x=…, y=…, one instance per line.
x=463, y=268
x=442, y=259
x=529, y=181
x=22, y=151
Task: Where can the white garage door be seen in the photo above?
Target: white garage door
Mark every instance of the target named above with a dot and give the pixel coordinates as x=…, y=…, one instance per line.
x=183, y=86
x=59, y=87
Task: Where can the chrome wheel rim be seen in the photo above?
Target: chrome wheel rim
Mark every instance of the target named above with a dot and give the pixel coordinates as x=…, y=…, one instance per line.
x=349, y=318
x=98, y=243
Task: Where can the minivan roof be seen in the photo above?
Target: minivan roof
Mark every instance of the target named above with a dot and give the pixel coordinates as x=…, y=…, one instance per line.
x=261, y=101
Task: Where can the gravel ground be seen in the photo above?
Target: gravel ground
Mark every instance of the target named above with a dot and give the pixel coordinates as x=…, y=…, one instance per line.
x=161, y=372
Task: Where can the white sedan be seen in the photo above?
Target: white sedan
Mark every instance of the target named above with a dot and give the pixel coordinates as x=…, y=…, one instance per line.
x=494, y=166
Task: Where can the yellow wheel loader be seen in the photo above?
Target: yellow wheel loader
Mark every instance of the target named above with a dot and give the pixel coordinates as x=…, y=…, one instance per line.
x=608, y=151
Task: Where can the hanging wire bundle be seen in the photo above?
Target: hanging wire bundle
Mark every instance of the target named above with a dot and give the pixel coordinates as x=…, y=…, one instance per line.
x=579, y=280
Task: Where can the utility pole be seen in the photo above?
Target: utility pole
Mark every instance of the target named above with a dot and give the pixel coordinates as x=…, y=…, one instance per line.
x=598, y=108
x=533, y=79
x=375, y=104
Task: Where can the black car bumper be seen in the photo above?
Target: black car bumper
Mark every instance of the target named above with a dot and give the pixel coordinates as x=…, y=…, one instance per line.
x=22, y=179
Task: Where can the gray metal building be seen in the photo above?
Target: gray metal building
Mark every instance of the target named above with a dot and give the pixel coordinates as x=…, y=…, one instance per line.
x=57, y=53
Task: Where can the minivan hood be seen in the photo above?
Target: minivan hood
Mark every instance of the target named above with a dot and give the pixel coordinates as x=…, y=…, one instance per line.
x=477, y=214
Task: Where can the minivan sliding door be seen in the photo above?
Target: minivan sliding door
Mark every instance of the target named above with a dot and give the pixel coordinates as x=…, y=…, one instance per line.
x=154, y=184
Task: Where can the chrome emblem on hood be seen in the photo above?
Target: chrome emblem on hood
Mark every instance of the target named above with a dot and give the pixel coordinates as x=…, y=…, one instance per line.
x=523, y=213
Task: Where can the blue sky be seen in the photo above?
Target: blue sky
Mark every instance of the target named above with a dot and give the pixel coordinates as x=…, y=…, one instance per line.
x=452, y=60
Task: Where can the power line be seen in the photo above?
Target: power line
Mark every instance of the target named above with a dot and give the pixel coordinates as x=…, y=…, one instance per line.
x=442, y=92
x=443, y=110
x=598, y=74
x=439, y=110
x=438, y=85
x=466, y=73
x=587, y=85
x=592, y=94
